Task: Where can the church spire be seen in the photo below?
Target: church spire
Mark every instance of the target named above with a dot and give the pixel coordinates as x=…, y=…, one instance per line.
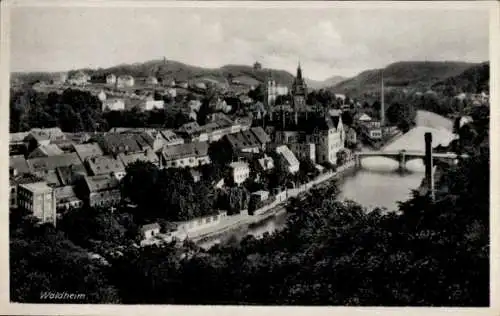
x=299, y=72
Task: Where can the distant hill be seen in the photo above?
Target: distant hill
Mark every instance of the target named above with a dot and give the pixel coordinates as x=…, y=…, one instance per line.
x=332, y=81
x=174, y=70
x=475, y=79
x=418, y=76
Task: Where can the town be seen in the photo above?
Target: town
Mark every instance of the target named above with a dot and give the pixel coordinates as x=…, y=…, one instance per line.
x=230, y=162
x=272, y=145
x=251, y=156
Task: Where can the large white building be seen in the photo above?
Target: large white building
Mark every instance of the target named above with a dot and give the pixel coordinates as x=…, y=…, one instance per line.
x=240, y=171
x=273, y=90
x=325, y=132
x=329, y=139
x=39, y=199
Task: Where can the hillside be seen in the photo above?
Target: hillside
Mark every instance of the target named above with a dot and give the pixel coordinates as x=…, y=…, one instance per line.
x=418, y=76
x=331, y=81
x=475, y=79
x=174, y=70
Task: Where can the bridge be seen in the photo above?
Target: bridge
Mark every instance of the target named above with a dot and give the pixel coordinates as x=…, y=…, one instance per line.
x=403, y=156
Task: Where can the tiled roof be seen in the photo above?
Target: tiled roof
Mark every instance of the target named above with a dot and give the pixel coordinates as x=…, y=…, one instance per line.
x=52, y=134
x=52, y=162
x=170, y=136
x=101, y=183
x=248, y=139
x=104, y=165
x=239, y=141
x=288, y=155
x=144, y=140
x=85, y=151
x=251, y=138
x=148, y=155
x=65, y=193
x=77, y=138
x=198, y=149
x=66, y=175
x=46, y=150
x=261, y=135
x=19, y=163
x=117, y=143
x=52, y=178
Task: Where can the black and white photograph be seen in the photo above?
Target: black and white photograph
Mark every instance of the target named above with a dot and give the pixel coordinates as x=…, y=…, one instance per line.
x=331, y=154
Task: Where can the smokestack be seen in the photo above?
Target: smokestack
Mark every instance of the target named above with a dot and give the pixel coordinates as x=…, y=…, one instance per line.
x=429, y=175
x=382, y=101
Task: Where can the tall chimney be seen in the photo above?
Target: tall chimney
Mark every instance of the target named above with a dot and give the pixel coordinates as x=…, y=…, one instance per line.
x=382, y=101
x=429, y=175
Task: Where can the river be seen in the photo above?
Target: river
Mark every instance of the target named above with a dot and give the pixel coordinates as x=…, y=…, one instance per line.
x=377, y=183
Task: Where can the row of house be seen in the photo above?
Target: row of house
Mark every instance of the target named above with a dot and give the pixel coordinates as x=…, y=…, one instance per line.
x=84, y=170
x=89, y=171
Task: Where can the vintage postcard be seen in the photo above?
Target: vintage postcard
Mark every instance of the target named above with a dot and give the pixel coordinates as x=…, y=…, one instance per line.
x=205, y=157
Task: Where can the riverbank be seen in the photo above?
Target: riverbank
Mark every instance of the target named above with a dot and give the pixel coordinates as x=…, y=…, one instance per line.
x=278, y=207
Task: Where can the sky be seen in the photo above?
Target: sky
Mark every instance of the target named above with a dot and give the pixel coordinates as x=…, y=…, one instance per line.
x=327, y=41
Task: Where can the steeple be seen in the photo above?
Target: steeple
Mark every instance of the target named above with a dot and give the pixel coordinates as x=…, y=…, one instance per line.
x=299, y=72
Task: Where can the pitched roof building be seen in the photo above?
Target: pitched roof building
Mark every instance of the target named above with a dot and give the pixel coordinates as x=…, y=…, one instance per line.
x=185, y=155
x=101, y=190
x=115, y=143
x=44, y=164
x=104, y=165
x=90, y=150
x=19, y=163
x=46, y=151
x=147, y=156
x=290, y=159
x=252, y=140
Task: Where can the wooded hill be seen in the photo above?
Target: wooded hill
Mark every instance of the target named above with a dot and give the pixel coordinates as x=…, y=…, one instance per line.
x=413, y=76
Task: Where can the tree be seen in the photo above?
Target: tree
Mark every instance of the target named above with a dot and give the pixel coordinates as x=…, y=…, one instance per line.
x=42, y=260
x=347, y=118
x=258, y=93
x=402, y=115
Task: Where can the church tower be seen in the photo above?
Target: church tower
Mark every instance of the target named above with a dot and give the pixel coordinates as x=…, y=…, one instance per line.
x=299, y=94
x=270, y=95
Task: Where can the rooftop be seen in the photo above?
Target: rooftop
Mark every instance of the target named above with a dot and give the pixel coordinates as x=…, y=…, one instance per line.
x=180, y=151
x=85, y=151
x=105, y=165
x=238, y=164
x=52, y=162
x=19, y=163
x=37, y=187
x=101, y=183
